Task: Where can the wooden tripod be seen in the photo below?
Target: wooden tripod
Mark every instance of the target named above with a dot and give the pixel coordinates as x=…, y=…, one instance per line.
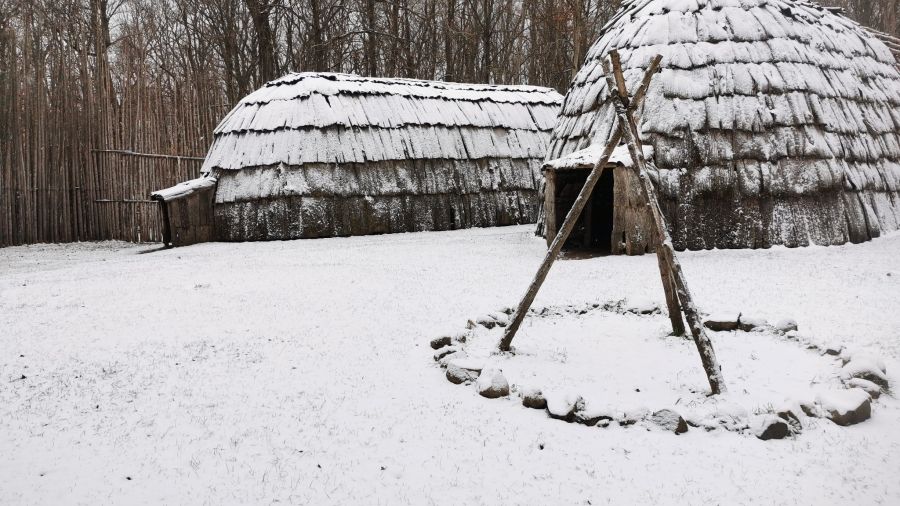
x=678, y=296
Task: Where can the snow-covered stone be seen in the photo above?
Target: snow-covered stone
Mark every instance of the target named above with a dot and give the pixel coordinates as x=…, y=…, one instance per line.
x=793, y=334
x=811, y=408
x=846, y=407
x=722, y=322
x=440, y=342
x=452, y=356
x=832, y=349
x=786, y=325
x=562, y=406
x=591, y=413
x=792, y=413
x=500, y=318
x=492, y=384
x=867, y=369
x=875, y=361
x=669, y=420
x=871, y=388
x=443, y=352
x=767, y=427
x=643, y=307
x=633, y=416
x=533, y=398
x=463, y=370
x=749, y=323
x=486, y=321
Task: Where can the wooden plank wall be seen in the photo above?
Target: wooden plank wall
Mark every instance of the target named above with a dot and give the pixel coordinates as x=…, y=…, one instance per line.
x=192, y=219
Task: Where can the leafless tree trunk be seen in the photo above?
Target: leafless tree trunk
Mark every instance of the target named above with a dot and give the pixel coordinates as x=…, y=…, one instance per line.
x=266, y=50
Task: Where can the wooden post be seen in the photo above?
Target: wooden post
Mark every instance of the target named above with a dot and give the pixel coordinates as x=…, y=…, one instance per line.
x=672, y=303
x=549, y=205
x=668, y=262
x=589, y=221
x=167, y=226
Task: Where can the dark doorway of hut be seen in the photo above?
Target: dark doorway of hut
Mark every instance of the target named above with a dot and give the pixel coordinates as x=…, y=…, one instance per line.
x=592, y=235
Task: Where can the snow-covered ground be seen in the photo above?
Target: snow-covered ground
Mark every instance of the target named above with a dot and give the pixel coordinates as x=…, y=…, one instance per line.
x=300, y=372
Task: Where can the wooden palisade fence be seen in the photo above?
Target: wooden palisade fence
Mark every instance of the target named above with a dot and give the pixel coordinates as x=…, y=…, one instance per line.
x=64, y=102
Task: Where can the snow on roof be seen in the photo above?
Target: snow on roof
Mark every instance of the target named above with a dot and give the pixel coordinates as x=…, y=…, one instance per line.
x=184, y=189
x=772, y=121
x=761, y=81
x=340, y=118
x=892, y=43
x=588, y=157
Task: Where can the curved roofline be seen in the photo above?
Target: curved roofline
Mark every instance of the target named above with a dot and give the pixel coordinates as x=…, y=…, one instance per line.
x=338, y=77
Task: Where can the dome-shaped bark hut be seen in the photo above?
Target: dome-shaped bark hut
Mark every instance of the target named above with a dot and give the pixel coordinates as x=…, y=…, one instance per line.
x=771, y=122
x=317, y=155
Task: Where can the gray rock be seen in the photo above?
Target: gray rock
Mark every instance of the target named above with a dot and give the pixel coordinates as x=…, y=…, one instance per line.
x=533, y=398
x=462, y=371
x=440, y=342
x=487, y=322
x=562, y=406
x=669, y=420
x=591, y=415
x=810, y=408
x=492, y=384
x=633, y=416
x=833, y=350
x=867, y=369
x=643, y=308
x=793, y=334
x=452, y=356
x=501, y=318
x=768, y=427
x=722, y=322
x=793, y=415
x=786, y=325
x=871, y=388
x=749, y=324
x=846, y=407
x=443, y=352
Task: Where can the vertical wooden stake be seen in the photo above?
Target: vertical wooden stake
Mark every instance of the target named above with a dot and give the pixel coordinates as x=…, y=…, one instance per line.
x=672, y=303
x=550, y=206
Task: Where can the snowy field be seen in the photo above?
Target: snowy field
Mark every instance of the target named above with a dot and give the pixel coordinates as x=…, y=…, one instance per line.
x=300, y=373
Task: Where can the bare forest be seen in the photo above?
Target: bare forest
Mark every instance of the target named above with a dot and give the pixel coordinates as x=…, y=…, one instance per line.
x=86, y=84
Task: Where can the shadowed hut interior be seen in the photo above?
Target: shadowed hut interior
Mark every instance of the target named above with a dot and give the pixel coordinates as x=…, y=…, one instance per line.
x=615, y=219
x=772, y=122
x=320, y=155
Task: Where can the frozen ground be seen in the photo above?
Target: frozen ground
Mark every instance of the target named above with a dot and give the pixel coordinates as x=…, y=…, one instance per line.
x=300, y=372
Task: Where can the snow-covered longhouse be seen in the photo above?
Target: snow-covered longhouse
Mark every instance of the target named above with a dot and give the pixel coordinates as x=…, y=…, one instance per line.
x=320, y=154
x=772, y=122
